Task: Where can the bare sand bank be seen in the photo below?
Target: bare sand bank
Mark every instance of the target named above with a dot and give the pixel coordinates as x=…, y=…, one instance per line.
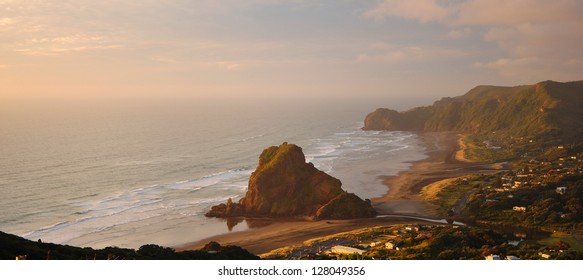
x=444, y=161
x=288, y=233
x=403, y=198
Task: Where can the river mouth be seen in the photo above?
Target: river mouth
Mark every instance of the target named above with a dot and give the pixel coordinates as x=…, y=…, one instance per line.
x=437, y=221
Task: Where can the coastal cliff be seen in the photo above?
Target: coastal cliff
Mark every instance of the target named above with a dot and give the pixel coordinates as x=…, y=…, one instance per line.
x=284, y=185
x=547, y=109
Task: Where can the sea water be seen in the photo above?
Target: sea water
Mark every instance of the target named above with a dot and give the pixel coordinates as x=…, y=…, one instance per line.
x=120, y=173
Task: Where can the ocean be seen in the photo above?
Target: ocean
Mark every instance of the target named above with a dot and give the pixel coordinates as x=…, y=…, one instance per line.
x=120, y=173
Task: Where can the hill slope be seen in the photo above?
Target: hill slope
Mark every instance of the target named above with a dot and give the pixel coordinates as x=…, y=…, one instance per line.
x=542, y=111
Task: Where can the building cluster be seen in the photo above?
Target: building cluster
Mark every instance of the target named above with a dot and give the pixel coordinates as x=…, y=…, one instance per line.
x=538, y=174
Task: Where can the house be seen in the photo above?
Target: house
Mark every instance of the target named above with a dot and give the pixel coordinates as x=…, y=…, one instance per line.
x=492, y=257
x=514, y=242
x=519, y=208
x=412, y=228
x=345, y=250
x=563, y=216
x=561, y=190
x=363, y=245
x=544, y=256
x=512, y=258
x=375, y=243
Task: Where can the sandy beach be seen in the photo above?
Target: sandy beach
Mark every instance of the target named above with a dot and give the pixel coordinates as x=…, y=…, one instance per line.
x=403, y=198
x=445, y=160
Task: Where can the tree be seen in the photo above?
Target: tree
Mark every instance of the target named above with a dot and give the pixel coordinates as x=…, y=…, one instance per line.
x=562, y=245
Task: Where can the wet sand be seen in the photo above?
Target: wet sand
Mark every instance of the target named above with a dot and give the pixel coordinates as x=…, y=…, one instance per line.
x=403, y=198
x=444, y=161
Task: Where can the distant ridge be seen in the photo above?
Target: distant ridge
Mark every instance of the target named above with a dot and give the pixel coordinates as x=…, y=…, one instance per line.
x=546, y=110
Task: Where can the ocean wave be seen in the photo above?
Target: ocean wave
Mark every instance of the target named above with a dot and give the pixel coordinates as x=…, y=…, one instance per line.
x=209, y=180
x=251, y=138
x=139, y=204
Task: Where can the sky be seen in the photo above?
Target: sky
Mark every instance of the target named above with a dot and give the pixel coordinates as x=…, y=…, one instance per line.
x=423, y=49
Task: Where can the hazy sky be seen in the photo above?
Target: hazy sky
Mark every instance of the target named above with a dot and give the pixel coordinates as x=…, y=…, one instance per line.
x=329, y=48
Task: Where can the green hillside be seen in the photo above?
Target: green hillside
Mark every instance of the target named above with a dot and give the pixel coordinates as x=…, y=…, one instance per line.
x=546, y=111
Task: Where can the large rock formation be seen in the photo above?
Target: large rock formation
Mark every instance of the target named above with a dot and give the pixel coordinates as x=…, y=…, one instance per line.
x=284, y=185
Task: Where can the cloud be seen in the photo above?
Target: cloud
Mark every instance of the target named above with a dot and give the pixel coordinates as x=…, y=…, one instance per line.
x=527, y=33
x=6, y=24
x=164, y=59
x=50, y=46
x=480, y=12
x=515, y=12
x=6, y=21
x=530, y=69
x=52, y=51
x=392, y=53
x=459, y=33
x=227, y=65
x=422, y=10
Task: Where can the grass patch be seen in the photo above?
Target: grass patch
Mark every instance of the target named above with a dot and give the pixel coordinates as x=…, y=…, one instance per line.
x=565, y=237
x=477, y=150
x=449, y=195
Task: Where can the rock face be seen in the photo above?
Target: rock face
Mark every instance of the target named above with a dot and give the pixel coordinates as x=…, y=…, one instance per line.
x=385, y=119
x=284, y=185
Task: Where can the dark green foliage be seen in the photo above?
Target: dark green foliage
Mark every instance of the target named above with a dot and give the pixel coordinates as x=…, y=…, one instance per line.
x=12, y=246
x=467, y=243
x=545, y=207
x=152, y=251
x=448, y=243
x=545, y=111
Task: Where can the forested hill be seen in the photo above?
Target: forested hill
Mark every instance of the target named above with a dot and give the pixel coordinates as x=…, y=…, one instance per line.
x=546, y=110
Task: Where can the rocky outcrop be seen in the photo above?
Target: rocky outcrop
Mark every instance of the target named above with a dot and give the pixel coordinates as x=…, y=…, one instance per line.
x=225, y=210
x=345, y=206
x=284, y=185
